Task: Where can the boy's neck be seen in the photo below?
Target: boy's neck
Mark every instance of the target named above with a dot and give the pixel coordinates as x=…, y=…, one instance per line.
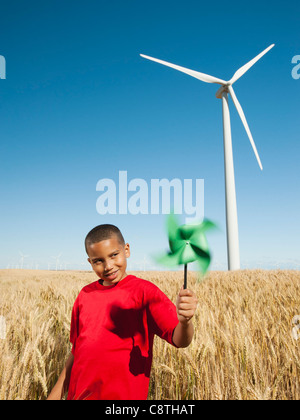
x=107, y=285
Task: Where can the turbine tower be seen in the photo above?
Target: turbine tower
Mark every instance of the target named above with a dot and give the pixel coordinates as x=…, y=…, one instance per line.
x=233, y=253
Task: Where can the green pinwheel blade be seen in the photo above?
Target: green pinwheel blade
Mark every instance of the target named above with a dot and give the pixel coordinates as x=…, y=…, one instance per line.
x=186, y=231
x=172, y=226
x=198, y=239
x=207, y=224
x=203, y=258
x=170, y=259
x=201, y=253
x=204, y=264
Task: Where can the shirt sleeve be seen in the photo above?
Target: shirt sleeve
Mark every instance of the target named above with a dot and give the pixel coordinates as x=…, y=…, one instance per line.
x=74, y=330
x=162, y=314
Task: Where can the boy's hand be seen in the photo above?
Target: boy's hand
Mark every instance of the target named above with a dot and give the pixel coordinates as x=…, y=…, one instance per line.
x=186, y=305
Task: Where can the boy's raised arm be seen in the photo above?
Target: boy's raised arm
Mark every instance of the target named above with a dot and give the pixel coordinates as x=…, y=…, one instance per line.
x=62, y=384
x=186, y=306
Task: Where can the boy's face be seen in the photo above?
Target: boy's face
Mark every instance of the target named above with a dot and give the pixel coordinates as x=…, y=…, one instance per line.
x=108, y=260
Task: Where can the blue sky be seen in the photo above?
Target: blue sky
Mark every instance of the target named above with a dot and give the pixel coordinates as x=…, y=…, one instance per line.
x=79, y=104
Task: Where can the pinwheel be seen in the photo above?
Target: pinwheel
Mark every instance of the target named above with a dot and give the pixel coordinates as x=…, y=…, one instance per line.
x=187, y=244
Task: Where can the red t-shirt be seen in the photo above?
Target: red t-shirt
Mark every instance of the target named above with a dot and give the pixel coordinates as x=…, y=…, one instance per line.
x=112, y=331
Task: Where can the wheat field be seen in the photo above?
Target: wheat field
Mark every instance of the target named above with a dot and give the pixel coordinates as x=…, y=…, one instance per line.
x=243, y=348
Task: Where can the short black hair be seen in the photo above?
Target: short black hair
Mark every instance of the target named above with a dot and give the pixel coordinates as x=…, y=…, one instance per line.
x=102, y=232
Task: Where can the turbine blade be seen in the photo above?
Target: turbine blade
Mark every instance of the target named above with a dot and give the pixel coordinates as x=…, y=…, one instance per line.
x=244, y=121
x=247, y=66
x=201, y=76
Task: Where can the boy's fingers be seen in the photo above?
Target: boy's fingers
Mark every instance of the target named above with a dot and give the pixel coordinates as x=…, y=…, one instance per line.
x=186, y=308
x=186, y=303
x=187, y=295
x=186, y=292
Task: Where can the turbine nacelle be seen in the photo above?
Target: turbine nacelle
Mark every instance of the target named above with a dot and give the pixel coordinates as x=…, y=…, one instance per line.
x=224, y=88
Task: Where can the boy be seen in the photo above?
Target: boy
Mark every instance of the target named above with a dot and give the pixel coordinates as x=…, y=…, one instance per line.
x=114, y=320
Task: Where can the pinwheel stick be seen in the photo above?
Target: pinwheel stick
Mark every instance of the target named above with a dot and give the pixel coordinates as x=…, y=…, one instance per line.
x=185, y=276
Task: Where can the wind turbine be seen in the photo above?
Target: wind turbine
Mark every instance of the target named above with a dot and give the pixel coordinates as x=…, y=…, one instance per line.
x=144, y=262
x=230, y=194
x=57, y=260
x=22, y=259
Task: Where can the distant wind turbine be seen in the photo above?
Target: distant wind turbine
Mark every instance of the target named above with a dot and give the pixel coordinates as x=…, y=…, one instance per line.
x=144, y=262
x=222, y=93
x=22, y=259
x=57, y=260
